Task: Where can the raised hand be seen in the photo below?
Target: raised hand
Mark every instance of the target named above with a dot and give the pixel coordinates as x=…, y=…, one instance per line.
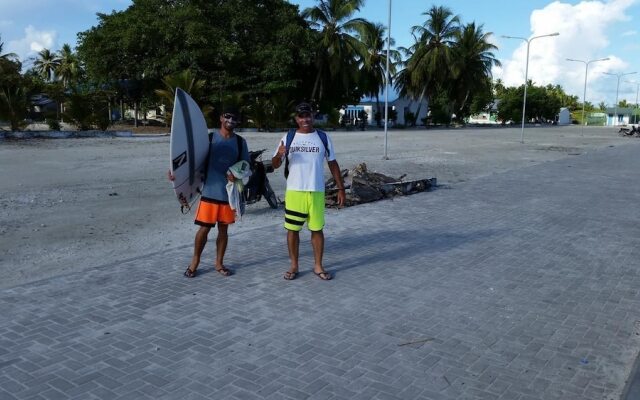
x=282, y=149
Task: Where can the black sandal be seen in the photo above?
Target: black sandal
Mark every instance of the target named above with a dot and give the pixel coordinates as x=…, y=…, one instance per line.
x=324, y=275
x=224, y=271
x=189, y=273
x=289, y=275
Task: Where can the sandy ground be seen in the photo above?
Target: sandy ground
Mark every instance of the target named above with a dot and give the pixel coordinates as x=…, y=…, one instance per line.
x=67, y=205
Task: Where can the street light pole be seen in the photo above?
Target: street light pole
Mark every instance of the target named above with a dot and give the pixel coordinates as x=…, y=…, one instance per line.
x=635, y=116
x=386, y=86
x=584, y=92
x=526, y=74
x=620, y=75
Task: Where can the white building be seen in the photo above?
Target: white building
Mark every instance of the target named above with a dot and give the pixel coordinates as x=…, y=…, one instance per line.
x=489, y=116
x=620, y=116
x=564, y=116
x=401, y=105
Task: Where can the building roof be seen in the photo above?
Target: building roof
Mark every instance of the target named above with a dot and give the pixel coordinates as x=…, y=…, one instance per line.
x=372, y=100
x=41, y=100
x=620, y=110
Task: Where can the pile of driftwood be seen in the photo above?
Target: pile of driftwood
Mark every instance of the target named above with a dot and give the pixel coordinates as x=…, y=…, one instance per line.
x=364, y=186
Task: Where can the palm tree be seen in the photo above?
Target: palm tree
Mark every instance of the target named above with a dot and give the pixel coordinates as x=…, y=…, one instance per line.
x=402, y=77
x=186, y=81
x=14, y=105
x=374, y=64
x=46, y=64
x=338, y=48
x=472, y=59
x=66, y=71
x=431, y=56
x=268, y=112
x=7, y=56
x=498, y=87
x=8, y=62
x=68, y=66
x=9, y=65
x=403, y=83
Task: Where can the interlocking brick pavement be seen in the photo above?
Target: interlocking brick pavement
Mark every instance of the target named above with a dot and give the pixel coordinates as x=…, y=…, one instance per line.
x=522, y=285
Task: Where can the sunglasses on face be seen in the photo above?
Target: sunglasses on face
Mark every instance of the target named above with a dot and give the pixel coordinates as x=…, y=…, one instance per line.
x=229, y=117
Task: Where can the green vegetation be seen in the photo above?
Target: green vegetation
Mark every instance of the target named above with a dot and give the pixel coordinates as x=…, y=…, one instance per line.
x=14, y=104
x=187, y=82
x=543, y=102
x=264, y=59
x=14, y=91
x=88, y=109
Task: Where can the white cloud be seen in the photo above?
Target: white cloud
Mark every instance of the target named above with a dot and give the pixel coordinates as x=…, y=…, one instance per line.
x=630, y=33
x=9, y=7
x=32, y=42
x=583, y=36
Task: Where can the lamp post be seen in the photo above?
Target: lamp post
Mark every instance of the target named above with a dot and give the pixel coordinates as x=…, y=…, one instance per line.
x=620, y=75
x=635, y=116
x=584, y=92
x=526, y=74
x=386, y=86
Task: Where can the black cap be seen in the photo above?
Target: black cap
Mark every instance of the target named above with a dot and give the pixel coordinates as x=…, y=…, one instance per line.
x=303, y=108
x=230, y=110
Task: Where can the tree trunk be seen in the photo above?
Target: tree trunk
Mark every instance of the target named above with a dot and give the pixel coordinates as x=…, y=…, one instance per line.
x=378, y=120
x=420, y=106
x=135, y=114
x=315, y=86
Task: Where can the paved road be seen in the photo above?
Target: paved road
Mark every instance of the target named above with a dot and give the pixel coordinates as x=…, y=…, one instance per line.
x=522, y=285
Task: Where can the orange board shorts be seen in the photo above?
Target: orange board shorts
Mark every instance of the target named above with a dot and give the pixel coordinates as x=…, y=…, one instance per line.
x=212, y=211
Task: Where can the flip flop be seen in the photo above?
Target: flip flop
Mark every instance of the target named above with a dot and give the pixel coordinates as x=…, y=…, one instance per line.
x=324, y=275
x=289, y=276
x=224, y=271
x=189, y=273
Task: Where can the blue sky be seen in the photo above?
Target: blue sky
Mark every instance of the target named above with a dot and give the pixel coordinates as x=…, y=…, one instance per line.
x=588, y=30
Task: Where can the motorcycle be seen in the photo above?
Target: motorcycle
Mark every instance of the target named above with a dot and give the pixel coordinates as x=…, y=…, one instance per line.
x=258, y=185
x=625, y=131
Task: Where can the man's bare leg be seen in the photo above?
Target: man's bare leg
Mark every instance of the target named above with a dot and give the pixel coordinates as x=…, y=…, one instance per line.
x=198, y=248
x=221, y=248
x=317, y=242
x=293, y=244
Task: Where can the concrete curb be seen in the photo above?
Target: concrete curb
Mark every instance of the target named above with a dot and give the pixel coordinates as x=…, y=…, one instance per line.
x=147, y=135
x=63, y=134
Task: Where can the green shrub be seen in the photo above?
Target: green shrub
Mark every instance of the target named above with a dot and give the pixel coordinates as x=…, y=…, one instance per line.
x=53, y=124
x=88, y=110
x=101, y=120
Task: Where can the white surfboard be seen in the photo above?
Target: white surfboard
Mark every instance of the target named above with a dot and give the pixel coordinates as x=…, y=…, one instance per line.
x=189, y=149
